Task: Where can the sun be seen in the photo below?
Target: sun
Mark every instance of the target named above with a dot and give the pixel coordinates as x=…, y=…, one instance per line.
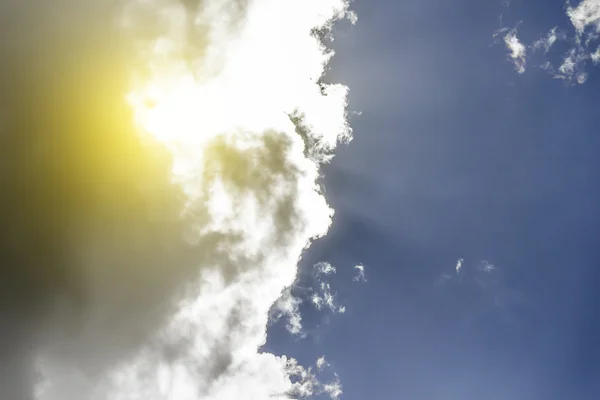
x=176, y=111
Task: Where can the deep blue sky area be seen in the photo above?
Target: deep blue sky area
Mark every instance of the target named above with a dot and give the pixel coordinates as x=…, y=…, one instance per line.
x=457, y=156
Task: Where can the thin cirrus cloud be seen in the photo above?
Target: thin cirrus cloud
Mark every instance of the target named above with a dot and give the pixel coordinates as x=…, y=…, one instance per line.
x=133, y=280
x=582, y=38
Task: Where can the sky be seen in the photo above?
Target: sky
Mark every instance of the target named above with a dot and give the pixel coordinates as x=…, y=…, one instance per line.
x=257, y=199
x=469, y=194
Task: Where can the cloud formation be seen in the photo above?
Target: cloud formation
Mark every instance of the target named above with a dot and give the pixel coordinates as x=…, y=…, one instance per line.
x=582, y=42
x=316, y=290
x=586, y=14
x=459, y=264
x=360, y=277
x=141, y=260
x=517, y=51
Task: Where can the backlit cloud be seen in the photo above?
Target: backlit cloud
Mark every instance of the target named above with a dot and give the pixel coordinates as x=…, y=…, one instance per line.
x=168, y=193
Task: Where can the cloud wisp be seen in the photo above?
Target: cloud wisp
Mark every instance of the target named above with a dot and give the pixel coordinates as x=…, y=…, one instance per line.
x=360, y=276
x=317, y=292
x=146, y=240
x=582, y=41
x=517, y=50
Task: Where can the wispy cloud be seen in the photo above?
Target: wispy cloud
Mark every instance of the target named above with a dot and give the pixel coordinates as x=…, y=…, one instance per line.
x=316, y=289
x=585, y=21
x=360, y=277
x=324, y=268
x=325, y=298
x=517, y=50
x=288, y=306
x=548, y=41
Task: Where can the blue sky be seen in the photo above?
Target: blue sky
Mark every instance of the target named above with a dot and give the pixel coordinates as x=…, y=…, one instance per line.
x=456, y=155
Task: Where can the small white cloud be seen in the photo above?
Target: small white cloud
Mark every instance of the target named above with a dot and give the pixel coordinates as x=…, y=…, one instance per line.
x=518, y=51
x=325, y=298
x=324, y=268
x=333, y=389
x=360, y=277
x=322, y=363
x=459, y=264
x=581, y=77
x=307, y=384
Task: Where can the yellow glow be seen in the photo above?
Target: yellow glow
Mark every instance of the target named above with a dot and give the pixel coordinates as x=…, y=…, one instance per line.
x=169, y=111
x=247, y=83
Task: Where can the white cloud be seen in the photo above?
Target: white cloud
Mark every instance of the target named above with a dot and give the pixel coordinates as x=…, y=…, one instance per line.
x=518, y=51
x=252, y=199
x=458, y=266
x=548, y=41
x=324, y=268
x=572, y=66
x=586, y=14
x=321, y=362
x=320, y=294
x=333, y=389
x=585, y=19
x=360, y=277
x=288, y=306
x=325, y=298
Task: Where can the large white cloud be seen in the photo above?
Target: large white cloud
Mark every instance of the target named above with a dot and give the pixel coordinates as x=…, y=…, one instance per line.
x=175, y=305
